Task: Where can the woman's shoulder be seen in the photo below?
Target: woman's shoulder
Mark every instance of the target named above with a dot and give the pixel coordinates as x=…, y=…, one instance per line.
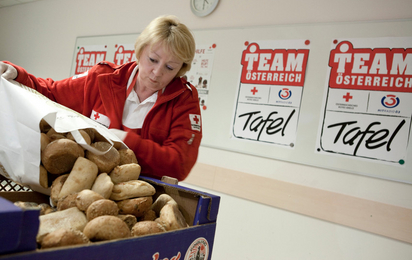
x=107, y=66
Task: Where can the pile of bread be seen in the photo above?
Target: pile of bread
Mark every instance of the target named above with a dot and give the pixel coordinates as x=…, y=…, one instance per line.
x=97, y=197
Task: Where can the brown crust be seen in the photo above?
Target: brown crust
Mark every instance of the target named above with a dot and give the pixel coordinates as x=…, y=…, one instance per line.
x=106, y=228
x=64, y=237
x=101, y=208
x=136, y=207
x=60, y=155
x=107, y=161
x=147, y=228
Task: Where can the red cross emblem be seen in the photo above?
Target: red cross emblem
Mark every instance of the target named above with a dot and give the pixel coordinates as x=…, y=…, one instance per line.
x=196, y=119
x=96, y=116
x=254, y=90
x=347, y=97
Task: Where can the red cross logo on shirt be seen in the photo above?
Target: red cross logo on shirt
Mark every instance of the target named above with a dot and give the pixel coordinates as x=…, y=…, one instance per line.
x=347, y=97
x=96, y=116
x=254, y=90
x=196, y=119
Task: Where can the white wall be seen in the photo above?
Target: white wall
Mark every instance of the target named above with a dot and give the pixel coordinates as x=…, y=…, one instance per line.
x=42, y=34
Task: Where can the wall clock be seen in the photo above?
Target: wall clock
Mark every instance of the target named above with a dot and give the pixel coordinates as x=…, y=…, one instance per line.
x=203, y=7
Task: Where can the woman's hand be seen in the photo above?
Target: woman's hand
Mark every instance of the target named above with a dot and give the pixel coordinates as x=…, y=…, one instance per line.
x=7, y=71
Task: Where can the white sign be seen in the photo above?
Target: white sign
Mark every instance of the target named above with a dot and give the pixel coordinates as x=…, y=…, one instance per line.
x=270, y=91
x=368, y=100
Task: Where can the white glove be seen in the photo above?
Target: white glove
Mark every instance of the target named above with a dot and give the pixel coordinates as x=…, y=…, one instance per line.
x=7, y=71
x=119, y=133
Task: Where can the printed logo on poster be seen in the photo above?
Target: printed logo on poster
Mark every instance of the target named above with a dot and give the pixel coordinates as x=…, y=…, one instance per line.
x=124, y=53
x=368, y=107
x=382, y=69
x=390, y=101
x=88, y=56
x=274, y=66
x=285, y=94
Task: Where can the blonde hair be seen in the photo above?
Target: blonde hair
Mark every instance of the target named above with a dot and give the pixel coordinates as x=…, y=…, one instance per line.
x=175, y=36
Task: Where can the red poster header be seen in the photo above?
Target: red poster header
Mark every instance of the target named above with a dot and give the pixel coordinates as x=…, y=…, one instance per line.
x=274, y=67
x=381, y=69
x=87, y=59
x=123, y=55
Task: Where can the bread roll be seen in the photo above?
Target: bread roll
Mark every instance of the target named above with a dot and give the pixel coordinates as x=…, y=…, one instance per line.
x=85, y=135
x=162, y=200
x=106, y=228
x=107, y=161
x=81, y=177
x=130, y=220
x=67, y=201
x=53, y=135
x=69, y=218
x=125, y=172
x=136, y=207
x=46, y=209
x=85, y=198
x=127, y=156
x=91, y=133
x=101, y=208
x=132, y=189
x=171, y=218
x=56, y=188
x=44, y=126
x=143, y=228
x=60, y=155
x=103, y=185
x=149, y=215
x=43, y=177
x=64, y=237
x=44, y=141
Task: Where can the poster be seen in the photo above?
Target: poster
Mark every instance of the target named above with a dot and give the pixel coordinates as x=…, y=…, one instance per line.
x=368, y=100
x=270, y=91
x=200, y=73
x=88, y=56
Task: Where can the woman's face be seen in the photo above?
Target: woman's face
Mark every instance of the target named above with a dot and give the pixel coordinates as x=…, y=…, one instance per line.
x=157, y=68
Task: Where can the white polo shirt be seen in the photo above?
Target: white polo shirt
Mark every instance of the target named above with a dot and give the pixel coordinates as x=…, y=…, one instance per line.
x=134, y=111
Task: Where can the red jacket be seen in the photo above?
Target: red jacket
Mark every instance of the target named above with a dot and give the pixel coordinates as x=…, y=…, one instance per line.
x=170, y=137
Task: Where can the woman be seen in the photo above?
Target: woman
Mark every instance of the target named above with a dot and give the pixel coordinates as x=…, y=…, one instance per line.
x=146, y=103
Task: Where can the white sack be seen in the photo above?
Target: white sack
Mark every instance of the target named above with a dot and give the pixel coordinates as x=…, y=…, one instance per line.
x=21, y=110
